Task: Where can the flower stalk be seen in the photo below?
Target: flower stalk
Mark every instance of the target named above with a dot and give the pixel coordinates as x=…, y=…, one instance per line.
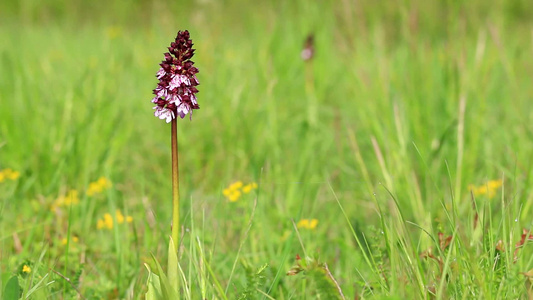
x=175, y=185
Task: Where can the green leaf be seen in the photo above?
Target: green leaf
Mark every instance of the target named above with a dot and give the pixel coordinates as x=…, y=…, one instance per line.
x=12, y=290
x=36, y=287
x=172, y=266
x=166, y=288
x=154, y=286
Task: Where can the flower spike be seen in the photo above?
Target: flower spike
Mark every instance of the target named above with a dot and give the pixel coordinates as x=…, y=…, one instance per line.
x=175, y=92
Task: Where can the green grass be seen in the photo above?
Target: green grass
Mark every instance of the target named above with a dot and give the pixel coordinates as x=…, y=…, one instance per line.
x=378, y=137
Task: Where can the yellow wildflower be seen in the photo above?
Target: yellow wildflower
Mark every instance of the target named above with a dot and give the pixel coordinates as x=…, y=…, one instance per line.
x=104, y=182
x=100, y=224
x=227, y=192
x=234, y=196
x=313, y=223
x=236, y=185
x=234, y=191
x=14, y=175
x=482, y=190
x=74, y=239
x=98, y=186
x=494, y=184
x=307, y=224
x=303, y=223
x=9, y=174
x=489, y=188
x=249, y=187
x=26, y=269
x=71, y=198
x=120, y=217
x=107, y=221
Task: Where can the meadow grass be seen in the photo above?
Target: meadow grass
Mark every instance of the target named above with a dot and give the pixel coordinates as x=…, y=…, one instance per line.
x=408, y=137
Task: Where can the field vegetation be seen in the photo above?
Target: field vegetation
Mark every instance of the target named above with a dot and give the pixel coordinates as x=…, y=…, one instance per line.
x=396, y=163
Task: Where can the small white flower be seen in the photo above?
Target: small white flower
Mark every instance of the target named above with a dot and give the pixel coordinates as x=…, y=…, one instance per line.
x=161, y=73
x=183, y=109
x=178, y=80
x=164, y=113
x=175, y=82
x=185, y=79
x=175, y=99
x=161, y=92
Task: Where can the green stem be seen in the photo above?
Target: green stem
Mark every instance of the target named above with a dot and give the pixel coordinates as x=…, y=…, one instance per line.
x=175, y=186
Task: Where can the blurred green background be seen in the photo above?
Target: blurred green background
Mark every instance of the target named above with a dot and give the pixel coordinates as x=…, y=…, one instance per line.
x=402, y=107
